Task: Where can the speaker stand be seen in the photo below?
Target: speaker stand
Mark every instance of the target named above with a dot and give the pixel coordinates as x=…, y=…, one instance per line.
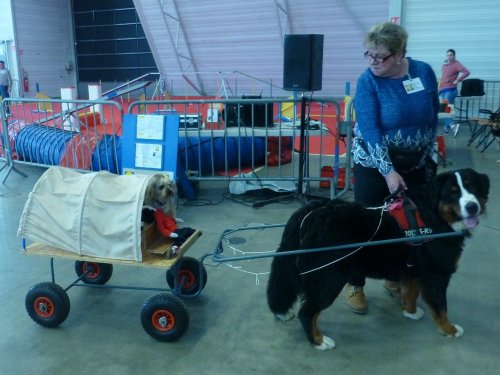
x=303, y=154
x=302, y=146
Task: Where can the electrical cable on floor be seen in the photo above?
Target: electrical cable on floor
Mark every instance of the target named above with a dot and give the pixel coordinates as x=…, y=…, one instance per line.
x=237, y=251
x=253, y=197
x=201, y=202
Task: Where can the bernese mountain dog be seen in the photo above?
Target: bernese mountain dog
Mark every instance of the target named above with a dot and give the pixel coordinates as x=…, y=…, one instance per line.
x=320, y=265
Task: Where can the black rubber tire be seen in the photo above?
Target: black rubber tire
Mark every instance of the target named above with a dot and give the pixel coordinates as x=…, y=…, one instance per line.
x=98, y=273
x=47, y=304
x=164, y=317
x=188, y=276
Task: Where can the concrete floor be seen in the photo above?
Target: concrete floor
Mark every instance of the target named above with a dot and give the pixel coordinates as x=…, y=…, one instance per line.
x=231, y=330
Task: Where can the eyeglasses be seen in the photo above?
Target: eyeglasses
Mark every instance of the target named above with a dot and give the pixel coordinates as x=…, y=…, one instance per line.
x=376, y=59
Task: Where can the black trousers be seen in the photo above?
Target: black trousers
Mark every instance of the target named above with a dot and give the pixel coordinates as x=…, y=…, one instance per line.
x=370, y=189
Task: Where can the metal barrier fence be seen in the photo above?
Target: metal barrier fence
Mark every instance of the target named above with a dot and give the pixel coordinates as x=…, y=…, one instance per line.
x=245, y=141
x=76, y=134
x=471, y=105
x=249, y=142
x=256, y=142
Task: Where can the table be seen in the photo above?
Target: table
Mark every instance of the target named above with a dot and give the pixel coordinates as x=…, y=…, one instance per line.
x=274, y=131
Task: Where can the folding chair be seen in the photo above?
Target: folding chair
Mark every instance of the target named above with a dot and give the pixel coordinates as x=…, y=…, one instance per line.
x=489, y=130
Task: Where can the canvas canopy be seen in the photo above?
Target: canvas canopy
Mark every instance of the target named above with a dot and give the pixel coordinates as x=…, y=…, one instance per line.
x=95, y=214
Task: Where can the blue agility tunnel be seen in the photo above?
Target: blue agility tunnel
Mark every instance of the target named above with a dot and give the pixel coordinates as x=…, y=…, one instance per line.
x=208, y=155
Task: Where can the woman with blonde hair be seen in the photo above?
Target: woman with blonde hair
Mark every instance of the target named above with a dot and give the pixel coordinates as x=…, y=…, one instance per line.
x=397, y=108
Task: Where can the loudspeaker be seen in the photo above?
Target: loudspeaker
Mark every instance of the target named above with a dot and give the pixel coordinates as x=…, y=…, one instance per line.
x=257, y=114
x=303, y=62
x=232, y=115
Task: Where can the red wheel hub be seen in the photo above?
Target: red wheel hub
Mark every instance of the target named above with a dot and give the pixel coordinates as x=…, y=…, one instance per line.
x=186, y=279
x=163, y=320
x=44, y=307
x=93, y=270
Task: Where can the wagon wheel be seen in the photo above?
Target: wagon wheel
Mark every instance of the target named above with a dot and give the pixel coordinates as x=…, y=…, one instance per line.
x=93, y=272
x=47, y=304
x=164, y=317
x=188, y=276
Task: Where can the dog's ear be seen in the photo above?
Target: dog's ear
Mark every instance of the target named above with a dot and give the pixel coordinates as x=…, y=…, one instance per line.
x=484, y=184
x=438, y=185
x=173, y=186
x=170, y=184
x=147, y=194
x=150, y=193
x=482, y=181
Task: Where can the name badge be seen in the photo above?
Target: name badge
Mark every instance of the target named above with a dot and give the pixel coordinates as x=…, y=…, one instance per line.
x=413, y=85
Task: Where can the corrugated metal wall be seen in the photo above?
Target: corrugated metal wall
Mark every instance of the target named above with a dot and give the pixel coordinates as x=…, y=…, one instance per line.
x=211, y=36
x=470, y=27
x=6, y=21
x=7, y=46
x=44, y=41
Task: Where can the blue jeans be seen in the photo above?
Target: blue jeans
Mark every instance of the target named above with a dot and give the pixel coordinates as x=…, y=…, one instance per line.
x=4, y=93
x=448, y=94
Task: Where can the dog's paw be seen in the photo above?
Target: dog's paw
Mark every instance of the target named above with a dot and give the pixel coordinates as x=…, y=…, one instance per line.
x=459, y=331
x=327, y=344
x=285, y=317
x=174, y=235
x=179, y=220
x=417, y=315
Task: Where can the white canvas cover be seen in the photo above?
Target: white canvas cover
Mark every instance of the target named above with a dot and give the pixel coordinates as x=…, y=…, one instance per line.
x=96, y=214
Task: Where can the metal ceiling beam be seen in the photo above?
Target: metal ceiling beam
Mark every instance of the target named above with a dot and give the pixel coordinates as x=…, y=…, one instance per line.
x=353, y=18
x=284, y=24
x=181, y=45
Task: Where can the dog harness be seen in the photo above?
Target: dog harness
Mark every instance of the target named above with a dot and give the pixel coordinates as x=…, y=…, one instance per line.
x=406, y=214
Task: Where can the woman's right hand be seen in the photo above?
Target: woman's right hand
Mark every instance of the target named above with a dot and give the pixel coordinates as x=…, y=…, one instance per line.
x=394, y=181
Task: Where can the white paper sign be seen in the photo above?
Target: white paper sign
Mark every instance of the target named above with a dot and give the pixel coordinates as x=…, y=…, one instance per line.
x=148, y=155
x=150, y=127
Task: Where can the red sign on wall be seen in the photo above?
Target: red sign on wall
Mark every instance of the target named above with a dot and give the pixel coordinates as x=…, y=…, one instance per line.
x=395, y=20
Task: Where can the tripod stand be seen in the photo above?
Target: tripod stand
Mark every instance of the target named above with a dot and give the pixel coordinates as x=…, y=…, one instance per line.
x=302, y=159
x=302, y=146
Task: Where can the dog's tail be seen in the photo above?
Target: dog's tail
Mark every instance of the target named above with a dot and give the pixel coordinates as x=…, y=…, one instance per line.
x=284, y=284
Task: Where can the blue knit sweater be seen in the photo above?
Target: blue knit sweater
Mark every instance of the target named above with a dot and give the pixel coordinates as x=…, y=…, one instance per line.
x=388, y=117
